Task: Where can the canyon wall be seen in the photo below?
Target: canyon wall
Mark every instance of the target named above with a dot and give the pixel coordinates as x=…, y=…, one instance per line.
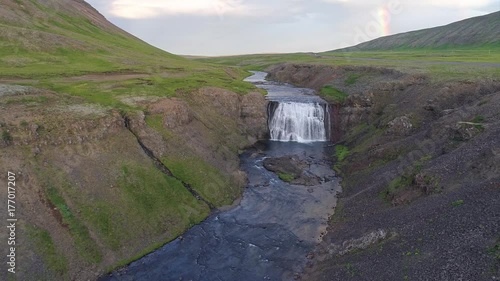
x=99, y=187
x=420, y=169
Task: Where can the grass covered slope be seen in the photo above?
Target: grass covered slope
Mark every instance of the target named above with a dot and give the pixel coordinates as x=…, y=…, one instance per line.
x=455, y=63
x=43, y=39
x=43, y=42
x=482, y=31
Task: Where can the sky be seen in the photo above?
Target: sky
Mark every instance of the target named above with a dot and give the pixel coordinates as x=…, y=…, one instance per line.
x=233, y=27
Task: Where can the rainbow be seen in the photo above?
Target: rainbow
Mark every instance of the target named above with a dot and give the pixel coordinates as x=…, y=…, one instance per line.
x=384, y=18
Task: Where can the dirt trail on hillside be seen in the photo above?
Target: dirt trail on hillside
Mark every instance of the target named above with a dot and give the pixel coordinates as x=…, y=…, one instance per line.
x=95, y=77
x=101, y=77
x=480, y=64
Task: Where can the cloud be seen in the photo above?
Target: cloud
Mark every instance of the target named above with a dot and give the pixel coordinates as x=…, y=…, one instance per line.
x=254, y=11
x=460, y=4
x=361, y=3
x=134, y=9
x=228, y=27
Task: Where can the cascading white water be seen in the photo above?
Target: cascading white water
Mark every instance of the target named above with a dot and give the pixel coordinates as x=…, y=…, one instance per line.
x=296, y=121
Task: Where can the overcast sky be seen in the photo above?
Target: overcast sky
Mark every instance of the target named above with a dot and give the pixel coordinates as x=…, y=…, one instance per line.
x=229, y=27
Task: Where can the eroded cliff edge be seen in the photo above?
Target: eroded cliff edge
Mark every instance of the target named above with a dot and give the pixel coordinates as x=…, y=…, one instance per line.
x=98, y=187
x=419, y=158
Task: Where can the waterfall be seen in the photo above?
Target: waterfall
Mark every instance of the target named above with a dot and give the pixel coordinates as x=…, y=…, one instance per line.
x=298, y=121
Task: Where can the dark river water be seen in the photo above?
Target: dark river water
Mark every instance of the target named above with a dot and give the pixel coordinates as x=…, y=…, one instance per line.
x=267, y=236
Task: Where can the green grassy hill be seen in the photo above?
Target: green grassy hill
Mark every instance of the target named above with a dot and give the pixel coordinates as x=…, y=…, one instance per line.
x=72, y=38
x=44, y=40
x=482, y=31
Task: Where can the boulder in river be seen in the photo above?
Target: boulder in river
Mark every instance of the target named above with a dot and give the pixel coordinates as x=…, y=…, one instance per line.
x=292, y=169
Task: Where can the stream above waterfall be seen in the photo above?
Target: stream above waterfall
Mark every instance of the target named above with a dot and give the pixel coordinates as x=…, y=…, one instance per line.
x=269, y=234
x=294, y=114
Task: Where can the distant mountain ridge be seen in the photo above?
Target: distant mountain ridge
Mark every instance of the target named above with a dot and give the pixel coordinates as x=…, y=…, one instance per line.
x=476, y=31
x=72, y=37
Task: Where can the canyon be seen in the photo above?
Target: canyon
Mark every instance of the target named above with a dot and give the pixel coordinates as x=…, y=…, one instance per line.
x=124, y=152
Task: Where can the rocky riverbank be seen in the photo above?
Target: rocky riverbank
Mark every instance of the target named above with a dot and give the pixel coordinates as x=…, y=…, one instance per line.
x=421, y=177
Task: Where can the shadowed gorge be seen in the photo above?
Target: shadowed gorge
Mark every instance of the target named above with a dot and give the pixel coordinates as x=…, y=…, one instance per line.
x=290, y=193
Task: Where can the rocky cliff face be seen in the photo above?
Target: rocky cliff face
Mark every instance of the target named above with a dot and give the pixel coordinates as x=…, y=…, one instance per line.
x=358, y=105
x=98, y=187
x=421, y=179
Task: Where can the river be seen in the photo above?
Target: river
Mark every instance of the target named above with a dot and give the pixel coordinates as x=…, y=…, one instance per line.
x=270, y=233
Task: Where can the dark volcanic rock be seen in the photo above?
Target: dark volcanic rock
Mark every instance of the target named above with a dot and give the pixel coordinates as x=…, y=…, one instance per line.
x=399, y=126
x=426, y=175
x=294, y=167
